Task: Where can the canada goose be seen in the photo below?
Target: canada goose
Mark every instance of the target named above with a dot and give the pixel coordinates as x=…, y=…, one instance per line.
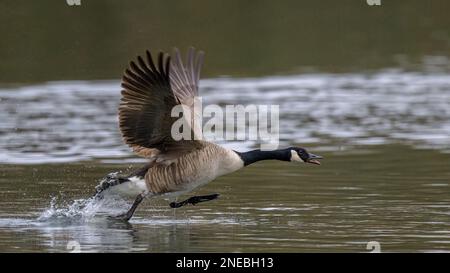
x=150, y=91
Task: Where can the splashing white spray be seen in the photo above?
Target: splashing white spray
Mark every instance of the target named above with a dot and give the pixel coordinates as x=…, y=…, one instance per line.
x=84, y=209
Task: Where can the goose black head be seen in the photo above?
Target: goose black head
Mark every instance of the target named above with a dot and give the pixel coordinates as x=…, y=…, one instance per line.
x=292, y=154
x=301, y=155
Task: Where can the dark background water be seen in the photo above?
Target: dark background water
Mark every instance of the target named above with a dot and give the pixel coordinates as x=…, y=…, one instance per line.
x=365, y=86
x=49, y=40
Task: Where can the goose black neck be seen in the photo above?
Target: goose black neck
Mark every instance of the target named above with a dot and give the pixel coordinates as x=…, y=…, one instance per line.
x=258, y=155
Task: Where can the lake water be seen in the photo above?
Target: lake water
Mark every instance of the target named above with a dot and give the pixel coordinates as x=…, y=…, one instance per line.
x=385, y=176
x=368, y=87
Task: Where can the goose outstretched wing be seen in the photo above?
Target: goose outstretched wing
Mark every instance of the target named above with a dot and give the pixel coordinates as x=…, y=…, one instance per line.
x=150, y=91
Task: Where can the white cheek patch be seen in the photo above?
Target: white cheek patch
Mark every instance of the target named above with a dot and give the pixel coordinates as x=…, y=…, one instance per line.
x=295, y=157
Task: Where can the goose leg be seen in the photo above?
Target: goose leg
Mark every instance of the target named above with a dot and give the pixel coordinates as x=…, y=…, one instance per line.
x=127, y=216
x=194, y=200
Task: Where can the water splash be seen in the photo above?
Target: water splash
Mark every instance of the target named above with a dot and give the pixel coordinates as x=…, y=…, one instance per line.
x=83, y=210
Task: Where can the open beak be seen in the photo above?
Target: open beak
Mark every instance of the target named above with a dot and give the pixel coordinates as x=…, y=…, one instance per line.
x=313, y=159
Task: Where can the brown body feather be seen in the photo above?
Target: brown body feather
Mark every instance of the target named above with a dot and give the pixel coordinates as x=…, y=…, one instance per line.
x=191, y=170
x=150, y=92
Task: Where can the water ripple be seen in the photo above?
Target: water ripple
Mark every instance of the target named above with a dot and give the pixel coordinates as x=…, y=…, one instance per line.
x=73, y=121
